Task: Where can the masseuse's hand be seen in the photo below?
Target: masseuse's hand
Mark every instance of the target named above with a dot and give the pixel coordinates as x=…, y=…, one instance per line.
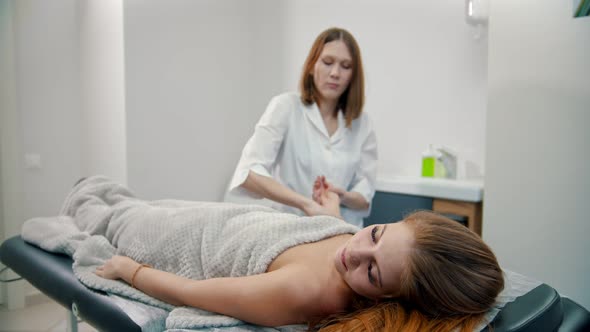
x=116, y=268
x=339, y=191
x=313, y=208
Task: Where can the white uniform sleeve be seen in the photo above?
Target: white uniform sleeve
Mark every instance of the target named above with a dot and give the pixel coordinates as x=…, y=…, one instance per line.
x=365, y=177
x=261, y=150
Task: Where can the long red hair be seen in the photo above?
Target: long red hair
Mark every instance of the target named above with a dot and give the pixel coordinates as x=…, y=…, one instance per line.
x=450, y=280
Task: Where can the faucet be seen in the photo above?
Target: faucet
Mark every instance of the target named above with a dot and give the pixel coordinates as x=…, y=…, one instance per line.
x=448, y=159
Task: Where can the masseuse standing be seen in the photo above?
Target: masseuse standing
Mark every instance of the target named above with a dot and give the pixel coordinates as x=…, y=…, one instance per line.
x=319, y=132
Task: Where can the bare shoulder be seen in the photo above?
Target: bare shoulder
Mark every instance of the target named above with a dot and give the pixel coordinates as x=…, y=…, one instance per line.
x=310, y=285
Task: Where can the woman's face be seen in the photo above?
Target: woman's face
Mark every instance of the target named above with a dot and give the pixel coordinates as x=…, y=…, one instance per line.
x=332, y=71
x=371, y=262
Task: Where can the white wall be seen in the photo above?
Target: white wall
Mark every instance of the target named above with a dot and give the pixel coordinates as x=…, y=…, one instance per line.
x=538, y=143
x=68, y=99
x=61, y=98
x=199, y=75
x=47, y=89
x=41, y=112
x=103, y=88
x=10, y=131
x=10, y=147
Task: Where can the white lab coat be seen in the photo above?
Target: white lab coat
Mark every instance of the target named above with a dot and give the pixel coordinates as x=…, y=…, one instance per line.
x=291, y=144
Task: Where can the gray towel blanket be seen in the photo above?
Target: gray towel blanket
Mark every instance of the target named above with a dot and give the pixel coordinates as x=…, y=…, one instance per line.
x=197, y=240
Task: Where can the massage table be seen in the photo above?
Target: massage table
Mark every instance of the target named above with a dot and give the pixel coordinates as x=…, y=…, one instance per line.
x=541, y=309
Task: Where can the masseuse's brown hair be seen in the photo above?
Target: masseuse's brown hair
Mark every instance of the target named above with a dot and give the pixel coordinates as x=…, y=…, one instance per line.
x=352, y=99
x=451, y=278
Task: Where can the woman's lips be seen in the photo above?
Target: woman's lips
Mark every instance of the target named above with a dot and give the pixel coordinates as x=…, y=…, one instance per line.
x=343, y=258
x=333, y=85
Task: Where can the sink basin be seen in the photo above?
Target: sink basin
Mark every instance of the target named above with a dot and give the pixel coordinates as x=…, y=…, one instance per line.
x=461, y=190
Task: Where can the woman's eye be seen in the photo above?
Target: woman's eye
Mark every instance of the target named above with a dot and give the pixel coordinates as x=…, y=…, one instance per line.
x=327, y=62
x=371, y=279
x=373, y=233
x=346, y=67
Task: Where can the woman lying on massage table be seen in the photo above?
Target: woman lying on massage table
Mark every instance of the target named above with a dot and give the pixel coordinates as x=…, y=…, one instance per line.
x=424, y=273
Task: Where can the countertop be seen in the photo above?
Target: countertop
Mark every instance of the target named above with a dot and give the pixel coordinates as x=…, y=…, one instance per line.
x=461, y=190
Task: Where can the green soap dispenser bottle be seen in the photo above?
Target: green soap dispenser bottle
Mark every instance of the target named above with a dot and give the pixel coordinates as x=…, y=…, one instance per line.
x=428, y=162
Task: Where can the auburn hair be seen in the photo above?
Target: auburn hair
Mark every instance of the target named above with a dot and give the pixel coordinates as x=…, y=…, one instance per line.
x=450, y=280
x=353, y=98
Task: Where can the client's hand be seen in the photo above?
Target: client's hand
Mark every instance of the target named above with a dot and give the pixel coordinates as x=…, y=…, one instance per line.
x=116, y=268
x=327, y=199
x=350, y=199
x=321, y=184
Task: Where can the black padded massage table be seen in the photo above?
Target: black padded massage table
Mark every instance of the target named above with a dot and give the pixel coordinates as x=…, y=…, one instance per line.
x=541, y=309
x=52, y=274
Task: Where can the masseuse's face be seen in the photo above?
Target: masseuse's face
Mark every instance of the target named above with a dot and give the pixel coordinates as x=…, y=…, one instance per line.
x=371, y=262
x=332, y=71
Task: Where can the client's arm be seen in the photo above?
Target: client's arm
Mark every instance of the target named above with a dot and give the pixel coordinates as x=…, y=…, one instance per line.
x=271, y=299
